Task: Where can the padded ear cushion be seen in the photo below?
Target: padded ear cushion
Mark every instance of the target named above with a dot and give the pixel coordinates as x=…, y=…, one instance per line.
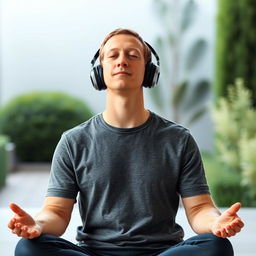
x=97, y=79
x=151, y=75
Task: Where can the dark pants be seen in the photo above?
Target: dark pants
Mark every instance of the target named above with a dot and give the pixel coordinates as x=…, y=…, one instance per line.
x=200, y=245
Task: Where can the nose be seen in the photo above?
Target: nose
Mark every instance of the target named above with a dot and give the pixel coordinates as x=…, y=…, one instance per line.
x=122, y=61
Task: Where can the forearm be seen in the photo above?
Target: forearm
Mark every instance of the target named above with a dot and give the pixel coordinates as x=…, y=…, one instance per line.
x=201, y=213
x=202, y=221
x=51, y=222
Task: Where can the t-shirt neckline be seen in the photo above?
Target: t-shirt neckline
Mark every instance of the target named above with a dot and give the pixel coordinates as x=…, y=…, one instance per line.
x=125, y=130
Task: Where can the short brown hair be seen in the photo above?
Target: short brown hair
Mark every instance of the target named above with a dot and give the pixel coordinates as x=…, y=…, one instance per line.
x=119, y=31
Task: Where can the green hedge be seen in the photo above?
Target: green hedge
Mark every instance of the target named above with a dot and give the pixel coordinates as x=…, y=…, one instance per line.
x=225, y=184
x=35, y=121
x=227, y=189
x=3, y=159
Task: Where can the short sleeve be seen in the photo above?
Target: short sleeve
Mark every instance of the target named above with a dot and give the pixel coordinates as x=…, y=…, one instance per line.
x=62, y=180
x=192, y=180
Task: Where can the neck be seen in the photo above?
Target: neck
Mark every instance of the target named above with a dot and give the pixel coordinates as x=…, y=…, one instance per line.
x=125, y=110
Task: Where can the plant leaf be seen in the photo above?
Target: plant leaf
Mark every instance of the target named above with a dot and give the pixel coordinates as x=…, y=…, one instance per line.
x=197, y=115
x=179, y=94
x=161, y=8
x=198, y=95
x=195, y=53
x=188, y=15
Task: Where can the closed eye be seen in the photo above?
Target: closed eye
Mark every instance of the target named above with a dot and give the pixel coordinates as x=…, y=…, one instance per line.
x=112, y=56
x=133, y=56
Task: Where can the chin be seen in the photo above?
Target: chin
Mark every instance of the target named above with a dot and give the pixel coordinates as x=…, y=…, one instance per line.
x=119, y=86
x=123, y=86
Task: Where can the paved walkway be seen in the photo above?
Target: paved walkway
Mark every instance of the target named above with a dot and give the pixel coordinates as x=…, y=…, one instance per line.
x=27, y=188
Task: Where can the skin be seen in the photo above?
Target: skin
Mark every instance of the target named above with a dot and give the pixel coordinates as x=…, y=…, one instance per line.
x=123, y=68
x=52, y=219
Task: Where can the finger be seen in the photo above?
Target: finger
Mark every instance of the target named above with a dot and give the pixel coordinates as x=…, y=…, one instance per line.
x=217, y=233
x=235, y=226
x=29, y=232
x=17, y=225
x=237, y=223
x=240, y=224
x=237, y=229
x=224, y=234
x=25, y=233
x=16, y=209
x=11, y=223
x=234, y=209
x=21, y=231
x=230, y=231
x=16, y=231
x=34, y=234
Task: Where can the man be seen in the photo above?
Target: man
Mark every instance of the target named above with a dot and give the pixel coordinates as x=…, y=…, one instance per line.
x=129, y=167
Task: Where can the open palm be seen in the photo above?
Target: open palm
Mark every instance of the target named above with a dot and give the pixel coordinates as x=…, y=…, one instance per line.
x=229, y=223
x=22, y=224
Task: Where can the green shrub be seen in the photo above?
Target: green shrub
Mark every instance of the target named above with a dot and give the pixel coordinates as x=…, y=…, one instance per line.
x=225, y=185
x=35, y=122
x=234, y=119
x=229, y=191
x=3, y=159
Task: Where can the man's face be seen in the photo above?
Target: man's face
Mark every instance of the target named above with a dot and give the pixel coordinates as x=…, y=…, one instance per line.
x=123, y=62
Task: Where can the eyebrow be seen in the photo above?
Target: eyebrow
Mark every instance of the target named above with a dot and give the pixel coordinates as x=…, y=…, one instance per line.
x=127, y=49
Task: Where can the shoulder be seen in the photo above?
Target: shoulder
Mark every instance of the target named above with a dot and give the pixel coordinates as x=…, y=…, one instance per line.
x=171, y=133
x=169, y=126
x=82, y=129
x=81, y=134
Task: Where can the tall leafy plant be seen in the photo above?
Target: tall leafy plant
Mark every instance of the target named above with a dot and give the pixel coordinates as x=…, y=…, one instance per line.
x=234, y=119
x=235, y=45
x=184, y=97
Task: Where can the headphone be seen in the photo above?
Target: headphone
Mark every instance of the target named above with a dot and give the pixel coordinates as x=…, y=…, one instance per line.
x=151, y=75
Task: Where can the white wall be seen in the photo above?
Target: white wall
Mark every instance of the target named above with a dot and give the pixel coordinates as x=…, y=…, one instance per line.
x=48, y=45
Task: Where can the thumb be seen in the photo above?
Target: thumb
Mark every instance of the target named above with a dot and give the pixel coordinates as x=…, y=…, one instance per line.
x=234, y=209
x=17, y=210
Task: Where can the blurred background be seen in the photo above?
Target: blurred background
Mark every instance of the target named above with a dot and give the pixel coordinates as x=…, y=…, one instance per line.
x=207, y=83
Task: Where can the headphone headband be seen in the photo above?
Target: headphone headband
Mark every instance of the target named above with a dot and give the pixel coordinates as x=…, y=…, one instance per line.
x=95, y=57
x=154, y=53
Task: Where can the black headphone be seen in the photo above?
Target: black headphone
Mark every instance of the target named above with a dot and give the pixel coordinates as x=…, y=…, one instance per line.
x=151, y=75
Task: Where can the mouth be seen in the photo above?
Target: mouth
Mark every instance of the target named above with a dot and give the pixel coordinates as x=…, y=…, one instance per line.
x=122, y=73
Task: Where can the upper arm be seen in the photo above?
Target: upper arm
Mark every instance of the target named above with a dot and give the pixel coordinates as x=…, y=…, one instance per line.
x=192, y=179
x=60, y=206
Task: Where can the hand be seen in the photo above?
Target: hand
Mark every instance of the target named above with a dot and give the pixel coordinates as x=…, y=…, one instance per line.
x=228, y=223
x=22, y=224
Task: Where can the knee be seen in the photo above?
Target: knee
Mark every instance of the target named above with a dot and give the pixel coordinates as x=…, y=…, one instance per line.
x=29, y=247
x=23, y=247
x=221, y=246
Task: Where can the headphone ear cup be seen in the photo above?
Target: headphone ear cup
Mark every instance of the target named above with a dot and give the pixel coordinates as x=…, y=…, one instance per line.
x=151, y=75
x=97, y=78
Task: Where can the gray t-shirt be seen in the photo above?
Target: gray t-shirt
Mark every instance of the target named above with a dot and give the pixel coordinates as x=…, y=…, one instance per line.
x=129, y=181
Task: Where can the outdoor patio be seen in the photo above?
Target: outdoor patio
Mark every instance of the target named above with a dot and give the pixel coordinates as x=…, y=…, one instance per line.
x=27, y=187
